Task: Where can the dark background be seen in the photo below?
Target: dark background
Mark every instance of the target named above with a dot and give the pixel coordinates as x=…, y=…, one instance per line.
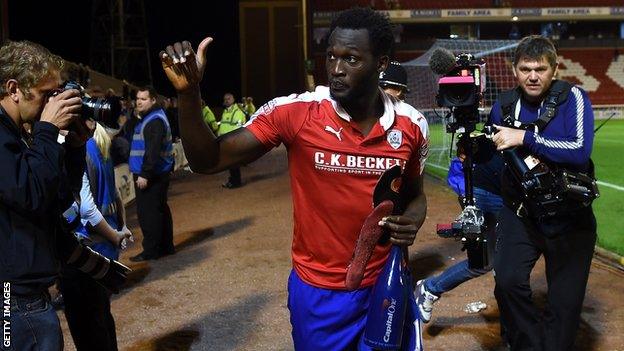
x=64, y=27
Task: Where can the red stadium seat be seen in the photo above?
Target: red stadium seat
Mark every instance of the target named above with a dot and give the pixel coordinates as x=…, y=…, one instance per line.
x=589, y=64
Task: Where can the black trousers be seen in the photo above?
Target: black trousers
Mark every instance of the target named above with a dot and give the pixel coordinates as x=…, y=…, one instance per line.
x=87, y=310
x=567, y=244
x=155, y=217
x=235, y=176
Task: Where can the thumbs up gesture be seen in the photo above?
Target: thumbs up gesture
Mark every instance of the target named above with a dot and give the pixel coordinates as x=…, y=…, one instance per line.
x=183, y=67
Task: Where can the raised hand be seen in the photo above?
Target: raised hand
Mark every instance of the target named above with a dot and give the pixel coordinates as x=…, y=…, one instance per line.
x=182, y=66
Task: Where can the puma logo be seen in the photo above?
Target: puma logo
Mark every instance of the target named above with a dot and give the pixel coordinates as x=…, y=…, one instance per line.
x=333, y=131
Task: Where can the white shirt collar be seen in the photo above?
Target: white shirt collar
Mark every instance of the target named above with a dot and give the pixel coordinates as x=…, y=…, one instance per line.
x=386, y=120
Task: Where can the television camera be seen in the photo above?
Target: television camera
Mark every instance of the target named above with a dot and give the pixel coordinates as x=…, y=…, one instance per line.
x=461, y=88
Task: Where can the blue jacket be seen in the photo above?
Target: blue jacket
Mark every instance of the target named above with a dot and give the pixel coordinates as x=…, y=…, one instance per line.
x=455, y=177
x=566, y=141
x=569, y=136
x=101, y=177
x=151, y=156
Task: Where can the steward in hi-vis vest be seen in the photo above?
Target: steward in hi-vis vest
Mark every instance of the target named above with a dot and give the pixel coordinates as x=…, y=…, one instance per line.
x=161, y=164
x=151, y=161
x=231, y=119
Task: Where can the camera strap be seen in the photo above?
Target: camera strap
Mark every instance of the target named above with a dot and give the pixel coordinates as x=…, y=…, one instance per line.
x=571, y=190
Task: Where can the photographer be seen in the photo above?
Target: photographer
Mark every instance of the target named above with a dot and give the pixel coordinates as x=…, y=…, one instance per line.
x=39, y=179
x=565, y=236
x=32, y=174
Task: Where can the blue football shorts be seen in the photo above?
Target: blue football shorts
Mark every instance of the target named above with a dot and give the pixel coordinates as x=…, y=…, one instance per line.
x=324, y=319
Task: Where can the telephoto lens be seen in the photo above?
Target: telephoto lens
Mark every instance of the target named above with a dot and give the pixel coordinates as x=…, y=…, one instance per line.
x=102, y=110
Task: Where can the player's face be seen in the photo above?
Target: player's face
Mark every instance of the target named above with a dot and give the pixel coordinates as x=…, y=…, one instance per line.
x=352, y=69
x=534, y=77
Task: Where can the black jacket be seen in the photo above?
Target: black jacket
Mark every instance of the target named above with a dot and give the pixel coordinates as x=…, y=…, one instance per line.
x=154, y=134
x=35, y=188
x=487, y=174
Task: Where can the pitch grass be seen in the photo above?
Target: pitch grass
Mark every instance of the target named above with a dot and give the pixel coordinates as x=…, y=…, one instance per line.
x=608, y=157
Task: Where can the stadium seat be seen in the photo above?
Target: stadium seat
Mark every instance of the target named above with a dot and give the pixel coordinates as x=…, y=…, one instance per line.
x=594, y=63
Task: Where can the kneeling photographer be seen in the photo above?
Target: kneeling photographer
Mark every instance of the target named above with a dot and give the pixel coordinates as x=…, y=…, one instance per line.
x=545, y=130
x=39, y=180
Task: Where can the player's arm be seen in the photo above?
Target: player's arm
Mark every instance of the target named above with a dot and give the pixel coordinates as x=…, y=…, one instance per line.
x=205, y=152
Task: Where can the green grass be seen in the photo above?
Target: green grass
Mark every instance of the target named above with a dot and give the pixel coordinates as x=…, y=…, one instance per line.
x=438, y=160
x=608, y=156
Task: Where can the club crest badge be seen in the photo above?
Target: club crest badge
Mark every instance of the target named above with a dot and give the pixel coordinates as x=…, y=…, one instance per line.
x=395, y=138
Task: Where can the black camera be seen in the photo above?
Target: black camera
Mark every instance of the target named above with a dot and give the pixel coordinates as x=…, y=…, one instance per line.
x=549, y=190
x=460, y=89
x=464, y=84
x=102, y=110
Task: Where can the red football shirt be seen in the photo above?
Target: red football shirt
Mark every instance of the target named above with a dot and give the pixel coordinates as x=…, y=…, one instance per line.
x=333, y=171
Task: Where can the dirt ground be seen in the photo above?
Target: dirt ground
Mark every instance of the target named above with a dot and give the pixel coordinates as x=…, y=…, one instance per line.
x=225, y=288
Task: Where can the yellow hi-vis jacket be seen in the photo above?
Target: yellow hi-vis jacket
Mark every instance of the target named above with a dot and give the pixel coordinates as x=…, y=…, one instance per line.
x=231, y=119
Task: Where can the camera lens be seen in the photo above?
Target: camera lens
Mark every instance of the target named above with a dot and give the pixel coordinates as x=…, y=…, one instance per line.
x=105, y=111
x=458, y=95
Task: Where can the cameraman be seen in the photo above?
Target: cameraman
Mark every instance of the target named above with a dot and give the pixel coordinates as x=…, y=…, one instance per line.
x=37, y=178
x=567, y=238
x=486, y=186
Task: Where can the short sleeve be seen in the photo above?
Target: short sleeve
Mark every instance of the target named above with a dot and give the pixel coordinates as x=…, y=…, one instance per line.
x=279, y=120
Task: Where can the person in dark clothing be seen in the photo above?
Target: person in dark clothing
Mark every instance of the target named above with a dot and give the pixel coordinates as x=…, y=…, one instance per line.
x=486, y=182
x=567, y=235
x=127, y=129
x=102, y=216
x=120, y=143
x=172, y=116
x=151, y=161
x=120, y=149
x=39, y=179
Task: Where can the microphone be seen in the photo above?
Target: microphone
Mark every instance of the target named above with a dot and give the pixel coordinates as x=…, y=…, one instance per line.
x=442, y=61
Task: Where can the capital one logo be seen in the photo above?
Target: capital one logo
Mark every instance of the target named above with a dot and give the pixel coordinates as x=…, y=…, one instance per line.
x=389, y=306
